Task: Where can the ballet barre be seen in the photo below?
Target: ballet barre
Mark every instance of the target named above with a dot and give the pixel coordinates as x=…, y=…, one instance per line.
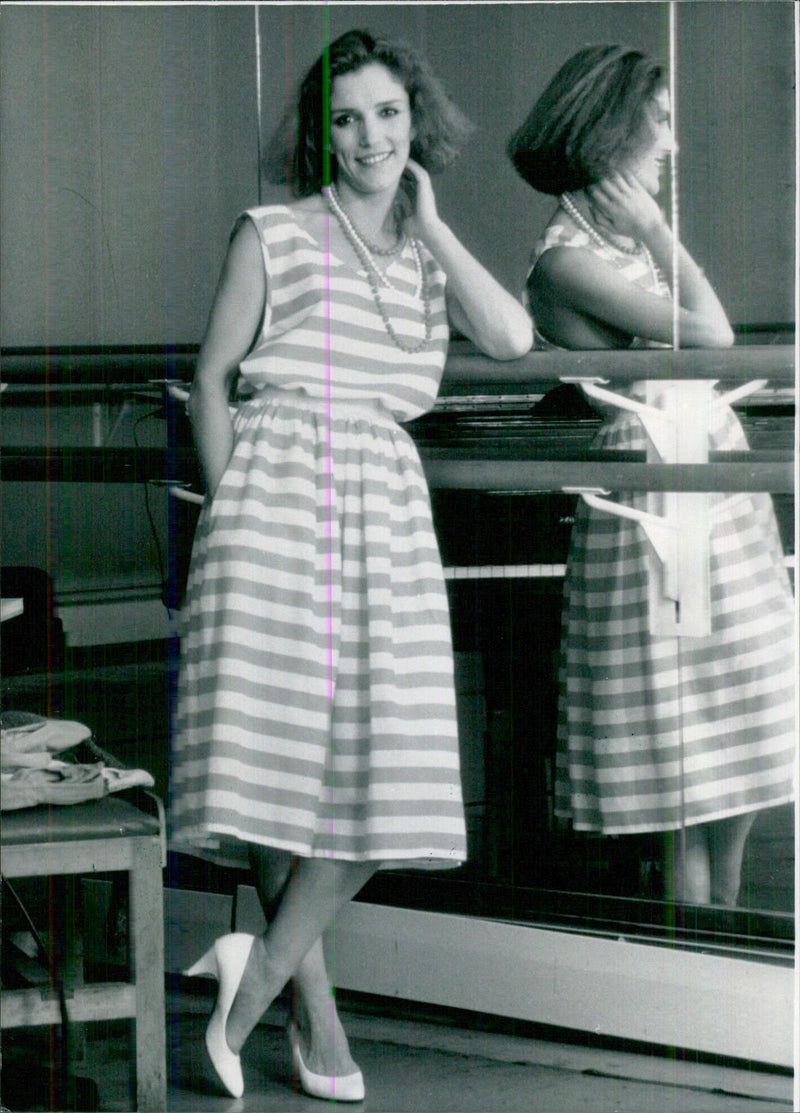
x=535, y=476
x=467, y=371
x=484, y=435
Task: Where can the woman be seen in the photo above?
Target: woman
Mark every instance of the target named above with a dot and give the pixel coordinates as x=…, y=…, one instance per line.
x=316, y=728
x=628, y=760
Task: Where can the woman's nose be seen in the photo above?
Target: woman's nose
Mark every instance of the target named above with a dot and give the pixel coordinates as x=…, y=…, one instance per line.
x=367, y=132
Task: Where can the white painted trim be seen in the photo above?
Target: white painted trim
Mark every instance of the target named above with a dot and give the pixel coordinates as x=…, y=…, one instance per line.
x=103, y=622
x=738, y=1007
x=676, y=998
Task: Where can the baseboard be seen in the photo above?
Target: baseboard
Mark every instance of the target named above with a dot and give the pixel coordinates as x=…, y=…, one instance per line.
x=736, y=1007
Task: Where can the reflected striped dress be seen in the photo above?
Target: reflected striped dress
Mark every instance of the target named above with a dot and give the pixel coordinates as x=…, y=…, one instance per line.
x=316, y=705
x=657, y=732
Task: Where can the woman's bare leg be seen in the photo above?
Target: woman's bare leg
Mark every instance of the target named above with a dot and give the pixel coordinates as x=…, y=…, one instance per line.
x=688, y=866
x=727, y=838
x=317, y=889
x=324, y=1044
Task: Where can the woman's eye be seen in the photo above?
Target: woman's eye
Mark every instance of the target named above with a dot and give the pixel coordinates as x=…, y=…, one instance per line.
x=341, y=121
x=388, y=112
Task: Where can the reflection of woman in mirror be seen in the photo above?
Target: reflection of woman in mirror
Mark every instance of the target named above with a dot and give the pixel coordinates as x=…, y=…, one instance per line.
x=316, y=727
x=654, y=736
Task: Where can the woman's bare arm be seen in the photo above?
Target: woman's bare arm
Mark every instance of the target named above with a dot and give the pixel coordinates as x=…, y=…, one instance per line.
x=477, y=304
x=234, y=321
x=621, y=204
x=576, y=281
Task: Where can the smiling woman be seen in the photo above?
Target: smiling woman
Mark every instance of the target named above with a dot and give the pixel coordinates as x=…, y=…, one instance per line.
x=371, y=131
x=316, y=733
x=101, y=249
x=439, y=128
x=370, y=144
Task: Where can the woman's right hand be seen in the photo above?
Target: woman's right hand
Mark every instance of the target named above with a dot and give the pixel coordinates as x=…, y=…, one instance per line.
x=620, y=204
x=418, y=201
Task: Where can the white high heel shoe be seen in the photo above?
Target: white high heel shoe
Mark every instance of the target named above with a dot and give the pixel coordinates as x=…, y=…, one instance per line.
x=343, y=1087
x=225, y=960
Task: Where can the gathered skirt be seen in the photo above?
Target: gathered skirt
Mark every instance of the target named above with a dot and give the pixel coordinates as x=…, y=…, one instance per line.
x=659, y=732
x=316, y=703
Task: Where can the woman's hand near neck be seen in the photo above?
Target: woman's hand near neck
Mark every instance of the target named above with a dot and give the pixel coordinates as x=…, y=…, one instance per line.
x=477, y=304
x=624, y=205
x=621, y=209
x=374, y=214
x=420, y=215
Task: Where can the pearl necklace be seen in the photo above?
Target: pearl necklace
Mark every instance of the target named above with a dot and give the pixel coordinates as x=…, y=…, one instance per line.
x=362, y=248
x=395, y=249
x=591, y=231
x=375, y=276
x=639, y=248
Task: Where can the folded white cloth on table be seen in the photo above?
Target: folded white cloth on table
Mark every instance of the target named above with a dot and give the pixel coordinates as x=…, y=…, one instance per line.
x=31, y=775
x=31, y=740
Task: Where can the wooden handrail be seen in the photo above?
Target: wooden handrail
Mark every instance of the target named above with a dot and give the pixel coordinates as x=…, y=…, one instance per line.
x=467, y=372
x=523, y=465
x=478, y=468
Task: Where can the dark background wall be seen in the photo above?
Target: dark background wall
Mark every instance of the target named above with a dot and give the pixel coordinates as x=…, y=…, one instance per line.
x=130, y=144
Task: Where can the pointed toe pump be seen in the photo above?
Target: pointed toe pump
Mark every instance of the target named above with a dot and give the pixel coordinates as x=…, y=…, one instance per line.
x=225, y=960
x=345, y=1087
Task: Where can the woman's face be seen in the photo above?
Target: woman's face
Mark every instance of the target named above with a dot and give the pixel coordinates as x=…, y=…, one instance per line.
x=648, y=161
x=371, y=129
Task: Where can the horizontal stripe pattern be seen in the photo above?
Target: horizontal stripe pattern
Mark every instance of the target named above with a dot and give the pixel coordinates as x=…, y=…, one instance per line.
x=656, y=732
x=316, y=706
x=322, y=331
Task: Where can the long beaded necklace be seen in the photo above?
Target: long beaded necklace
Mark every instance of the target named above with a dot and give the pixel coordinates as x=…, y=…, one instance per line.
x=395, y=249
x=375, y=276
x=639, y=248
x=366, y=250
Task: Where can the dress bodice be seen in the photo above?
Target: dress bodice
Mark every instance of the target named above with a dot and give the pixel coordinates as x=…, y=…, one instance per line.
x=322, y=332
x=637, y=269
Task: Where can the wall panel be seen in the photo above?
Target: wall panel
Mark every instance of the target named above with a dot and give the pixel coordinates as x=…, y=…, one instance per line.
x=129, y=141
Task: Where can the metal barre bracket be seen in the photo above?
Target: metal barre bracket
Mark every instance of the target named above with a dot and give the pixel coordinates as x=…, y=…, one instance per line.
x=675, y=415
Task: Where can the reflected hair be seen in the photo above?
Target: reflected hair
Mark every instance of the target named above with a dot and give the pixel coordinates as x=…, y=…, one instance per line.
x=593, y=113
x=440, y=128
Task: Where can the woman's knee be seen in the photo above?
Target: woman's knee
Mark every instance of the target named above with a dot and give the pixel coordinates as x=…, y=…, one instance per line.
x=271, y=869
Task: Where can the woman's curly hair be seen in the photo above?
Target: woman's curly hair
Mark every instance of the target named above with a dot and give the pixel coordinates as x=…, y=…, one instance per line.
x=440, y=129
x=593, y=113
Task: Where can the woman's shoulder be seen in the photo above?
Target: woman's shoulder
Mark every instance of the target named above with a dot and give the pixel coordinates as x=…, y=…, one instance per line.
x=565, y=254
x=267, y=216
x=284, y=230
x=561, y=232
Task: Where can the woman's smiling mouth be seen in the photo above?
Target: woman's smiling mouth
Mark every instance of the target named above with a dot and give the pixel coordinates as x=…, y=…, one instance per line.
x=373, y=160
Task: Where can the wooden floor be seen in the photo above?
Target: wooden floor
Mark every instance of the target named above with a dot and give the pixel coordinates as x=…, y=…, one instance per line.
x=422, y=1067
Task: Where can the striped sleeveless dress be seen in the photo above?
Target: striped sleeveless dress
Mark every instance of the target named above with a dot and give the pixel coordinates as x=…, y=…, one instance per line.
x=316, y=703
x=658, y=732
